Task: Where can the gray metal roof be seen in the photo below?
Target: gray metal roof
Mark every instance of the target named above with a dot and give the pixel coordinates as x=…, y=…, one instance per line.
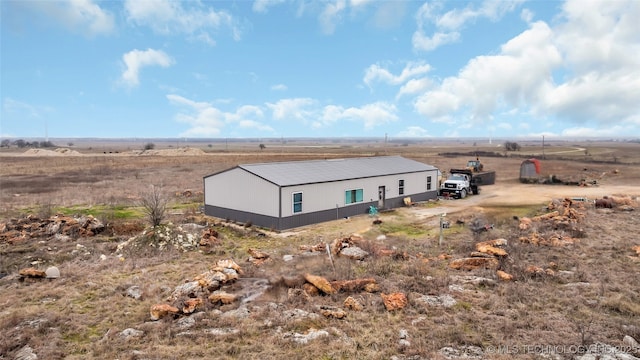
x=317, y=171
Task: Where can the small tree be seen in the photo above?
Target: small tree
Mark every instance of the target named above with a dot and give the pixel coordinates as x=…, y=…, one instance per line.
x=262, y=146
x=154, y=205
x=511, y=146
x=149, y=146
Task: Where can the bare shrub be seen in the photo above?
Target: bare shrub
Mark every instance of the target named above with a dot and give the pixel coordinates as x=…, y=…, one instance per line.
x=154, y=205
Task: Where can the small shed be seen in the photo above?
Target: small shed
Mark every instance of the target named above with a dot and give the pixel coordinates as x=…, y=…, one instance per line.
x=530, y=170
x=284, y=195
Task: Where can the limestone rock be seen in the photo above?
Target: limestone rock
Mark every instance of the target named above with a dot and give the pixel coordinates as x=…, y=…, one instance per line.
x=372, y=288
x=52, y=272
x=295, y=295
x=131, y=333
x=222, y=297
x=134, y=292
x=159, y=311
x=32, y=273
x=321, y=283
x=26, y=353
x=352, y=303
x=352, y=285
x=310, y=335
x=310, y=289
x=394, y=301
x=258, y=257
x=504, y=276
x=444, y=300
x=474, y=263
x=191, y=305
x=631, y=342
x=492, y=247
x=209, y=237
x=354, y=252
x=332, y=312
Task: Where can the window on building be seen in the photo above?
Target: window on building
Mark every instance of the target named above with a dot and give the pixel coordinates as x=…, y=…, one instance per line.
x=401, y=187
x=297, y=202
x=353, y=196
x=428, y=182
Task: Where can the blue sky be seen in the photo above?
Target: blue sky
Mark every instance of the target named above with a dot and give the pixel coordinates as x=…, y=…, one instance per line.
x=345, y=68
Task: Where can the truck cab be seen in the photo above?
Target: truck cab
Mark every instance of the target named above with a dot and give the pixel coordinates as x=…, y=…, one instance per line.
x=458, y=184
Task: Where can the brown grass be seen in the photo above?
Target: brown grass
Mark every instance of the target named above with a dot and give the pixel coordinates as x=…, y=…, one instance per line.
x=593, y=297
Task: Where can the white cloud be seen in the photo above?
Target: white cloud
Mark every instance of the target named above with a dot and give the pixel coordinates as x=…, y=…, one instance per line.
x=279, y=87
x=262, y=6
x=11, y=105
x=301, y=109
x=135, y=60
x=414, y=86
x=204, y=119
x=413, y=131
x=84, y=16
x=331, y=15
x=520, y=74
x=449, y=24
x=585, y=69
x=192, y=18
x=370, y=115
x=378, y=73
x=423, y=42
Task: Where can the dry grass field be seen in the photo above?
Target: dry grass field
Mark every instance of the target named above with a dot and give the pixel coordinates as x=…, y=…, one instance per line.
x=574, y=293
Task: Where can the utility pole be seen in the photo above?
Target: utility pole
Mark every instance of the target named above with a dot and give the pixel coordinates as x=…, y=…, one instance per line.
x=543, y=147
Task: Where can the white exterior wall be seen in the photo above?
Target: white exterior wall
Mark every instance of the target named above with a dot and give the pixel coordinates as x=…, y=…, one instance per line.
x=324, y=196
x=239, y=190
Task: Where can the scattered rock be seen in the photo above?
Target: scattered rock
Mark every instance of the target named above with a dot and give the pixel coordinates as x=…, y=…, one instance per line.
x=298, y=314
x=186, y=322
x=130, y=333
x=332, y=312
x=191, y=305
x=321, y=283
x=287, y=258
x=474, y=263
x=222, y=331
x=52, y=272
x=26, y=353
x=504, y=276
x=445, y=300
x=295, y=295
x=636, y=249
x=394, y=301
x=354, y=252
x=310, y=289
x=160, y=311
x=32, y=273
x=631, y=342
x=222, y=297
x=257, y=257
x=492, y=247
x=464, y=352
x=134, y=292
x=352, y=285
x=352, y=303
x=310, y=335
x=209, y=237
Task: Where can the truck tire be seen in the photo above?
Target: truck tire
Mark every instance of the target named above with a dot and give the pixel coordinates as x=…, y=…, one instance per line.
x=463, y=194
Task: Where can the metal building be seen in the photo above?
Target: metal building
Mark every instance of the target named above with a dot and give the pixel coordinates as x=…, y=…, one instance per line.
x=284, y=195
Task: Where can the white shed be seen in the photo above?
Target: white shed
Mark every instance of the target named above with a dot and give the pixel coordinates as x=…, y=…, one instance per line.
x=284, y=195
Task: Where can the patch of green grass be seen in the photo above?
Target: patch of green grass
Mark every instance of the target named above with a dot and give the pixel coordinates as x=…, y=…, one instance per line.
x=400, y=229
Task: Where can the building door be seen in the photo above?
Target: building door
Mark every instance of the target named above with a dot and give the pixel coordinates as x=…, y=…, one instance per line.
x=381, y=197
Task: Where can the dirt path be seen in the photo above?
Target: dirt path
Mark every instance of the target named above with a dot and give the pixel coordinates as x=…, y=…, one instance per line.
x=506, y=194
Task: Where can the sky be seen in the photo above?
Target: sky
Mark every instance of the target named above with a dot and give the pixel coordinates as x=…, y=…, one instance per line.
x=343, y=68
